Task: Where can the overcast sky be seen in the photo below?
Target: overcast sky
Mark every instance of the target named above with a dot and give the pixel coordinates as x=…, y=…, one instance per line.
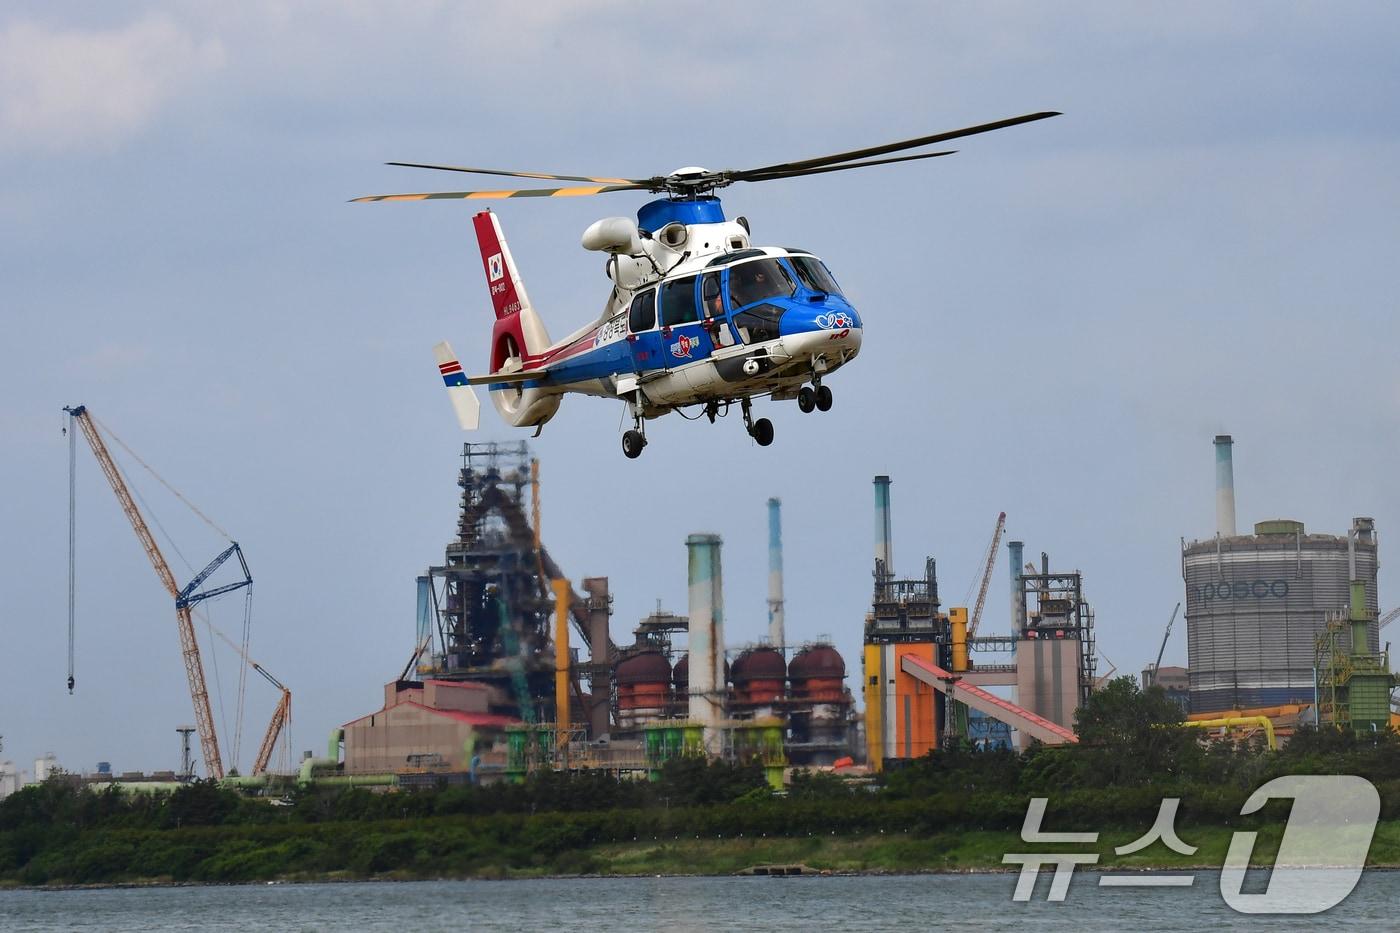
x=1059, y=317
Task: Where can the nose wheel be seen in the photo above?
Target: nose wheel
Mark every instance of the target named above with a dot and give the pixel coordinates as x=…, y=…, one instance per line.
x=818, y=397
x=634, y=440
x=761, y=430
x=632, y=444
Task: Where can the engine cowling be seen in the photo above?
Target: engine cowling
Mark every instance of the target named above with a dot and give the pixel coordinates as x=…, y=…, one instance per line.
x=613, y=235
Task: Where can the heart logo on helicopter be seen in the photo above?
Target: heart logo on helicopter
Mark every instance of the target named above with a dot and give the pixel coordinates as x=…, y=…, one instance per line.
x=836, y=320
x=682, y=348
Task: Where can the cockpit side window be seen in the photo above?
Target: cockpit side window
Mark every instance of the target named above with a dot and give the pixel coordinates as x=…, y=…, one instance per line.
x=643, y=314
x=757, y=281
x=678, y=302
x=814, y=274
x=711, y=298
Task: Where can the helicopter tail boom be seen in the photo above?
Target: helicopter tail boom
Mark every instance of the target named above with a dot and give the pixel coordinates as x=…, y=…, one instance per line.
x=518, y=338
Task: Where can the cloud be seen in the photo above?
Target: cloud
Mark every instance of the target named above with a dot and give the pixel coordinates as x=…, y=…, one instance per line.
x=71, y=90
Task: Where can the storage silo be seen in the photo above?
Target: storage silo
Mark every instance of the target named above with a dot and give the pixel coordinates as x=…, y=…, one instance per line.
x=1255, y=605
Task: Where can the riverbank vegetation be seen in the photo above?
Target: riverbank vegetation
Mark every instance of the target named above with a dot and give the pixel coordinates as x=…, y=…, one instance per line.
x=959, y=808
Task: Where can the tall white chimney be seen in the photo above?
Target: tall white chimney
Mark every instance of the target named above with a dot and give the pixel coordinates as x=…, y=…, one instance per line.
x=1224, y=486
x=708, y=685
x=776, y=636
x=884, y=536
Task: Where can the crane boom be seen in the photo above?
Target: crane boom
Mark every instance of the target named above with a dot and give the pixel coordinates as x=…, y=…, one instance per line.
x=1162, y=650
x=274, y=729
x=194, y=668
x=986, y=576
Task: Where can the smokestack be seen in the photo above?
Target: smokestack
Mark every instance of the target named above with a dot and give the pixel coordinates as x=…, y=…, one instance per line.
x=600, y=683
x=707, y=681
x=1018, y=554
x=425, y=615
x=1363, y=530
x=884, y=537
x=776, y=636
x=1224, y=486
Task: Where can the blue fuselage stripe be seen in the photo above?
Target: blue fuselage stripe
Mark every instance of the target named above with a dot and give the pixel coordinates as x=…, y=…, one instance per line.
x=653, y=352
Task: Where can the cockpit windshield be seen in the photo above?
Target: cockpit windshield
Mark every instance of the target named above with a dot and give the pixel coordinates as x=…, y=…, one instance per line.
x=758, y=280
x=814, y=274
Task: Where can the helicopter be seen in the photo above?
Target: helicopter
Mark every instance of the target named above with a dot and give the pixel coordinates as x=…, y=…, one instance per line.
x=698, y=315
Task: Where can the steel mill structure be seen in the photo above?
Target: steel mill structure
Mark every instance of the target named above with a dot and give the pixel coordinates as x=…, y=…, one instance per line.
x=494, y=689
x=920, y=681
x=796, y=712
x=1284, y=618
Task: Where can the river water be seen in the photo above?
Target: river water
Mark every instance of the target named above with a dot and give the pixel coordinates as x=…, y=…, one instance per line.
x=929, y=902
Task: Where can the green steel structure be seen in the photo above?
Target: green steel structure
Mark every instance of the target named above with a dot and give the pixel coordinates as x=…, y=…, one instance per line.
x=668, y=739
x=1353, y=684
x=762, y=740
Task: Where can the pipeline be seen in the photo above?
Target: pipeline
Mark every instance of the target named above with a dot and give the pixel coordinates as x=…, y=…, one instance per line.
x=147, y=787
x=332, y=759
x=356, y=780
x=244, y=781
x=1264, y=722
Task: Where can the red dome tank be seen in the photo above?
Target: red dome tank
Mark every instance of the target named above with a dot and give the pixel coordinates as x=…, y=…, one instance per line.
x=643, y=681
x=759, y=676
x=680, y=677
x=818, y=673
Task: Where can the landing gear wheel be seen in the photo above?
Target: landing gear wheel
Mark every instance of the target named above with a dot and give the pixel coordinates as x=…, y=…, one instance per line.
x=632, y=444
x=823, y=398
x=763, y=432
x=806, y=399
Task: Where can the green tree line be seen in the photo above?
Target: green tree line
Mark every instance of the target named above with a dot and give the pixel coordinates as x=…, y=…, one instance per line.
x=1132, y=752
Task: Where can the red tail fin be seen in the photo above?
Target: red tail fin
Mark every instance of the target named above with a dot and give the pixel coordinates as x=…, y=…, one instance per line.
x=507, y=292
x=518, y=331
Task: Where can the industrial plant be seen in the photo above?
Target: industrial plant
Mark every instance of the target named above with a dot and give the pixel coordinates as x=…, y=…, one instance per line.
x=1282, y=629
x=513, y=670
x=497, y=687
x=1282, y=624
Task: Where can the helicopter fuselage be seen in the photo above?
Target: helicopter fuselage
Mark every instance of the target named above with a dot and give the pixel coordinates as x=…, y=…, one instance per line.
x=697, y=317
x=770, y=345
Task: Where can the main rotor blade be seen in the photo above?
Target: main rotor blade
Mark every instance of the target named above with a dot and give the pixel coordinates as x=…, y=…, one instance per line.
x=545, y=176
x=485, y=195
x=890, y=147
x=841, y=168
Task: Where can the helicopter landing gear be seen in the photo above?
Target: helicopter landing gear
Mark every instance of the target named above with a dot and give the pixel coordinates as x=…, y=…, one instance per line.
x=763, y=432
x=815, y=396
x=634, y=440
x=760, y=430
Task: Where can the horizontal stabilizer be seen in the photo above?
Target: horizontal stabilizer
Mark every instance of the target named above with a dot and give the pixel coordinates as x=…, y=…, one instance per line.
x=459, y=390
x=520, y=375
